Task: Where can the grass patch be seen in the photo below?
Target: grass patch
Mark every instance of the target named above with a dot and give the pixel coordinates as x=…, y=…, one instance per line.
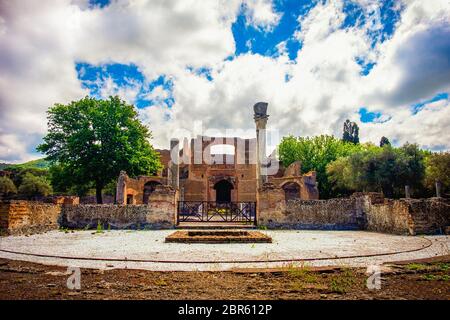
x=301, y=276
x=99, y=227
x=433, y=277
x=444, y=266
x=416, y=267
x=343, y=281
x=66, y=230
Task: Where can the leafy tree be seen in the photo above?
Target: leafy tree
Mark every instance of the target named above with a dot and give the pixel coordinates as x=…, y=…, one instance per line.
x=438, y=169
x=7, y=186
x=33, y=186
x=351, y=132
x=411, y=166
x=385, y=169
x=18, y=173
x=92, y=140
x=315, y=153
x=384, y=141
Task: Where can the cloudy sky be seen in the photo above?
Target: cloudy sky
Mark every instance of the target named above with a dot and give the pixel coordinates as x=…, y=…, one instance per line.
x=383, y=64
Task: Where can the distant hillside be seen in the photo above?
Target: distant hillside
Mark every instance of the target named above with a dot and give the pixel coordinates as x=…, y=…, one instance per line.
x=38, y=163
x=4, y=165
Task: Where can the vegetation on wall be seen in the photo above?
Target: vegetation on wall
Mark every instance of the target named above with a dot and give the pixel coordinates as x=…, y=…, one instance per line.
x=90, y=141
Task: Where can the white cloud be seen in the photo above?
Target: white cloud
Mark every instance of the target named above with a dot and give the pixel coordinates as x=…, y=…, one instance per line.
x=41, y=41
x=261, y=14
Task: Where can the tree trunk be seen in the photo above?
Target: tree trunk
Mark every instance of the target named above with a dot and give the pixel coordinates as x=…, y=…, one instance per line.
x=98, y=194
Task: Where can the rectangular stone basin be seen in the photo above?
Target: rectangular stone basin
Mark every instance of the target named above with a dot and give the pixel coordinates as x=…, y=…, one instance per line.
x=218, y=236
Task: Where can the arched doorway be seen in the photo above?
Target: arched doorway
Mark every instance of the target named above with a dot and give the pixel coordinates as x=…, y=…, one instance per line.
x=291, y=190
x=149, y=187
x=223, y=191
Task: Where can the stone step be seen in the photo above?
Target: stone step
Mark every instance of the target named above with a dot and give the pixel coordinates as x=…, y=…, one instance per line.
x=206, y=225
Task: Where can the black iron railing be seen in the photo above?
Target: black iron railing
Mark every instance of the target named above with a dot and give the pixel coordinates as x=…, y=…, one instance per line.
x=211, y=211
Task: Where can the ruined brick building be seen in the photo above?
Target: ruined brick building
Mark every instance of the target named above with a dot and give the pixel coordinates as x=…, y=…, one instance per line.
x=200, y=173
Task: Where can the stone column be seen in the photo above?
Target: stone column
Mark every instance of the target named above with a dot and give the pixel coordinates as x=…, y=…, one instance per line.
x=438, y=188
x=174, y=163
x=260, y=117
x=407, y=192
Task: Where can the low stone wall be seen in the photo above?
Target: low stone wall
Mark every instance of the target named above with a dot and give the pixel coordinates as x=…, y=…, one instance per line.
x=24, y=217
x=115, y=217
x=408, y=216
x=27, y=217
x=362, y=211
x=333, y=214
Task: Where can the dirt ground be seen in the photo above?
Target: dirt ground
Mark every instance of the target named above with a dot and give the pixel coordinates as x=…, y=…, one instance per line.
x=425, y=279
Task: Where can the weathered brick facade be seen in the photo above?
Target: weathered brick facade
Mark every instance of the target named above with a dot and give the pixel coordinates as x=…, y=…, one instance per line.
x=199, y=177
x=23, y=217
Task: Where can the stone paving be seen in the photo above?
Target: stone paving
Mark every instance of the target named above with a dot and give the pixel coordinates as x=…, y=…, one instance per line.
x=313, y=248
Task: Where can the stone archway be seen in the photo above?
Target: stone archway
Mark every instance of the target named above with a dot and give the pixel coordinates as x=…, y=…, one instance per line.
x=149, y=187
x=291, y=190
x=223, y=191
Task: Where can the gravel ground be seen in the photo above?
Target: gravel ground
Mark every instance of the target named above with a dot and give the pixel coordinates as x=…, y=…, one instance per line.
x=149, y=245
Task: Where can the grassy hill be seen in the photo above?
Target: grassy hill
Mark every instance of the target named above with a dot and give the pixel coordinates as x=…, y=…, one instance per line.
x=34, y=164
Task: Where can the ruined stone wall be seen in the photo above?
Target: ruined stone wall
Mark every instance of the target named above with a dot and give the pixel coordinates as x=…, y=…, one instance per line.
x=115, y=217
x=23, y=217
x=407, y=216
x=368, y=211
x=159, y=213
x=340, y=214
x=26, y=217
x=275, y=212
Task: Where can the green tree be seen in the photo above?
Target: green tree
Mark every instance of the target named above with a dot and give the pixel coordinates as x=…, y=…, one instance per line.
x=33, y=186
x=315, y=153
x=384, y=141
x=350, y=132
x=385, y=169
x=437, y=169
x=7, y=186
x=92, y=140
x=411, y=166
x=18, y=173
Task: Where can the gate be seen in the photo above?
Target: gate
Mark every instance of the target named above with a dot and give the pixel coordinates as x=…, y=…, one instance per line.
x=211, y=211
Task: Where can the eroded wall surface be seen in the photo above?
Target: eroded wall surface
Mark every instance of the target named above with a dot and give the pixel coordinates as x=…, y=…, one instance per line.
x=26, y=217
x=369, y=211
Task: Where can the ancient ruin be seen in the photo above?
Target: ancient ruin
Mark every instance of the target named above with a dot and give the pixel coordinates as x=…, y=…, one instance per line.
x=202, y=175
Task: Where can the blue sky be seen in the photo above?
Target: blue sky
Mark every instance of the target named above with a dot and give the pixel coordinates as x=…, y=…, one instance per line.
x=250, y=39
x=383, y=64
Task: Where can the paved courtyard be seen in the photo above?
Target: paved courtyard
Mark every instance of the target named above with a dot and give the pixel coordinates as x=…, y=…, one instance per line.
x=147, y=250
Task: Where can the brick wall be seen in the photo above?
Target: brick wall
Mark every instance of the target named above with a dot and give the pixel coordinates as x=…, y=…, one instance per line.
x=25, y=217
x=160, y=213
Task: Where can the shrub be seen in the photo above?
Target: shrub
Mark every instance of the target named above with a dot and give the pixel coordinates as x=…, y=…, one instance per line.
x=7, y=186
x=33, y=186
